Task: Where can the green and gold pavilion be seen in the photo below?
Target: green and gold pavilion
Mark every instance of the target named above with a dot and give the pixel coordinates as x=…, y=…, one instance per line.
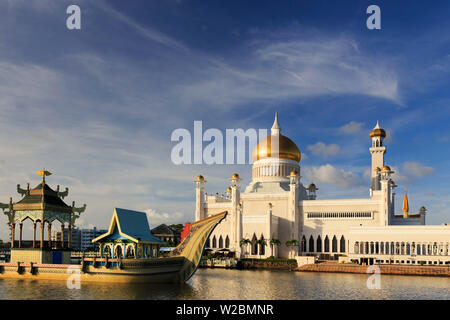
x=44, y=206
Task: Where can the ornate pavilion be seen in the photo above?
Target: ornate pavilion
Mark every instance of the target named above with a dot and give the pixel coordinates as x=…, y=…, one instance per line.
x=128, y=236
x=41, y=205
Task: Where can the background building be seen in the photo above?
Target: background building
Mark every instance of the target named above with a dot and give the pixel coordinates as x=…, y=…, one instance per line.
x=86, y=237
x=170, y=234
x=276, y=208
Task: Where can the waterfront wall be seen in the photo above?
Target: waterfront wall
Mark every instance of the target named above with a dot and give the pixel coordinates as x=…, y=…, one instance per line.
x=261, y=264
x=384, y=269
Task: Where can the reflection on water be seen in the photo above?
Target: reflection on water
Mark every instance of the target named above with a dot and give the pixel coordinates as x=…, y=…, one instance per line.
x=245, y=284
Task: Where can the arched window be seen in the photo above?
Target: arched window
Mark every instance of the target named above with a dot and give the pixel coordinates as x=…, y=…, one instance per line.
x=356, y=248
x=334, y=244
x=214, y=242
x=254, y=245
x=208, y=243
x=326, y=244
x=220, y=242
x=107, y=251
x=319, y=244
x=311, y=244
x=262, y=247
x=342, y=244
x=303, y=244
x=227, y=242
x=130, y=251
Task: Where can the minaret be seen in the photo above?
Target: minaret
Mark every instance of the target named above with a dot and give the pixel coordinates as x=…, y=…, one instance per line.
x=386, y=210
x=199, y=198
x=235, y=213
x=377, y=150
x=293, y=206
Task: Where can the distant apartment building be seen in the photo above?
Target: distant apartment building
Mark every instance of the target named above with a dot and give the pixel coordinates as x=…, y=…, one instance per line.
x=86, y=237
x=81, y=238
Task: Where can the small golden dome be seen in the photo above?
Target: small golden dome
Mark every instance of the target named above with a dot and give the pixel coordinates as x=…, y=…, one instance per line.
x=386, y=168
x=235, y=176
x=199, y=178
x=312, y=186
x=378, y=132
x=377, y=169
x=228, y=190
x=287, y=149
x=294, y=173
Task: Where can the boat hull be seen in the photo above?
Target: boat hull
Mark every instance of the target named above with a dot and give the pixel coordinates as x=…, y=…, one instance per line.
x=177, y=268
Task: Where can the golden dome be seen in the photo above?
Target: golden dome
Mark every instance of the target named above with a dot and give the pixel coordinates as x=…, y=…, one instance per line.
x=312, y=186
x=293, y=173
x=287, y=149
x=199, y=178
x=228, y=190
x=386, y=168
x=377, y=169
x=235, y=176
x=378, y=132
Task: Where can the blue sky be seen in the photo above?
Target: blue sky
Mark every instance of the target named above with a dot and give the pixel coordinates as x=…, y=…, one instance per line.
x=97, y=106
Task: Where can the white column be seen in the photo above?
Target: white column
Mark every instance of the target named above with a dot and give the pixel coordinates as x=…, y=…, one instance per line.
x=268, y=227
x=200, y=199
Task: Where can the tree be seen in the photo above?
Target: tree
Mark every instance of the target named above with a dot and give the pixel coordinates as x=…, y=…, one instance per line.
x=290, y=244
x=244, y=242
x=274, y=242
x=261, y=243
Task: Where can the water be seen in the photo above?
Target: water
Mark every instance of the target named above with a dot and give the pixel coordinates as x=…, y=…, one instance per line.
x=245, y=284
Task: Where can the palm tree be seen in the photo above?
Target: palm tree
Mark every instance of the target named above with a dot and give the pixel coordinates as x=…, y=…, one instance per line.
x=290, y=244
x=261, y=243
x=244, y=242
x=274, y=242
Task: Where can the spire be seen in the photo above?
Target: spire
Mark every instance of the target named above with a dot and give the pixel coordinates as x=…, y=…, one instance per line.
x=377, y=126
x=43, y=173
x=275, y=127
x=405, y=205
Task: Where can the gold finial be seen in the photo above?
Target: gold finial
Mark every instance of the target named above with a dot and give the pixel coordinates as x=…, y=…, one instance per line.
x=43, y=173
x=405, y=205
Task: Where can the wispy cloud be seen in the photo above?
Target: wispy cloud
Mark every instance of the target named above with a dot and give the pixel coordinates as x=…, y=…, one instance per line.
x=411, y=170
x=329, y=174
x=324, y=150
x=352, y=127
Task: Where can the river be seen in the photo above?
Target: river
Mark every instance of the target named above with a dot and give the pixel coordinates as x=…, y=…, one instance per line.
x=241, y=284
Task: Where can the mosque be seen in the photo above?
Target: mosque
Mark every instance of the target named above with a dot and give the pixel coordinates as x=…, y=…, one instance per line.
x=276, y=215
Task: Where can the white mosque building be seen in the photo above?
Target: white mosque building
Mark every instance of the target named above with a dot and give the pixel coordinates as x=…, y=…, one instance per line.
x=277, y=208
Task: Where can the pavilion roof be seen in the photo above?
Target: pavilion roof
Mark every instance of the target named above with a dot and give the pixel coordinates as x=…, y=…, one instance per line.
x=130, y=224
x=42, y=197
